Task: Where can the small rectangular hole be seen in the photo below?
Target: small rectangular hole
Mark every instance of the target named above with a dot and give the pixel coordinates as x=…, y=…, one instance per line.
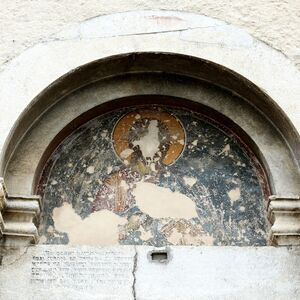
x=159, y=256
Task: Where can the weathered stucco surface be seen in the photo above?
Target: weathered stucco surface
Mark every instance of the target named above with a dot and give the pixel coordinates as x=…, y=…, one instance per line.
x=24, y=23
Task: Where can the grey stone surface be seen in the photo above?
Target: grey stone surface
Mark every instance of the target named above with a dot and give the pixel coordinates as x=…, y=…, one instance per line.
x=220, y=273
x=68, y=273
x=284, y=214
x=18, y=216
x=125, y=272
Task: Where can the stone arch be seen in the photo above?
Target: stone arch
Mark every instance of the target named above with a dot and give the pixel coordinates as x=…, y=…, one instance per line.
x=152, y=63
x=175, y=56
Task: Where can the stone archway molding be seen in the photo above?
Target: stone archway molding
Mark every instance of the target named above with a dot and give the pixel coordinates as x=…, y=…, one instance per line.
x=255, y=69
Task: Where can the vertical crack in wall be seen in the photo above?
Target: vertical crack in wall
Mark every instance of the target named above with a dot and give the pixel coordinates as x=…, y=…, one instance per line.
x=16, y=257
x=133, y=273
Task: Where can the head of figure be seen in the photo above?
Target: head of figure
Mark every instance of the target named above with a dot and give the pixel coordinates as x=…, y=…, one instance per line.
x=148, y=140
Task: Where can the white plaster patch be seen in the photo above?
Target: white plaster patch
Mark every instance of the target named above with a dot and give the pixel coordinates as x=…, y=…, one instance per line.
x=99, y=228
x=125, y=153
x=234, y=194
x=175, y=237
x=145, y=235
x=150, y=142
x=242, y=208
x=190, y=181
x=90, y=169
x=160, y=202
x=133, y=222
x=42, y=239
x=152, y=167
x=104, y=133
x=225, y=150
x=124, y=185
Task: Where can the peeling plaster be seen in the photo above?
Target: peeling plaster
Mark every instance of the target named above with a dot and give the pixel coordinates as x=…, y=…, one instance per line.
x=100, y=228
x=160, y=202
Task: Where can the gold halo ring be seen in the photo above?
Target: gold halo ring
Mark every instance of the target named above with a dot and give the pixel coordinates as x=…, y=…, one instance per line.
x=175, y=129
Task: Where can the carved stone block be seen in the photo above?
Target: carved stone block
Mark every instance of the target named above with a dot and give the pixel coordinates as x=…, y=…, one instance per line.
x=19, y=216
x=3, y=197
x=284, y=215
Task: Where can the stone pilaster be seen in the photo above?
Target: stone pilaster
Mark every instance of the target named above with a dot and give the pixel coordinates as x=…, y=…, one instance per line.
x=3, y=197
x=284, y=215
x=19, y=216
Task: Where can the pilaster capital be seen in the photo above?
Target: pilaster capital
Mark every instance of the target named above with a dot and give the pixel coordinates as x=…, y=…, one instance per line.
x=284, y=215
x=19, y=216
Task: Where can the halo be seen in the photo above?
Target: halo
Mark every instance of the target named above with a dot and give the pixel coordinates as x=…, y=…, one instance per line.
x=176, y=131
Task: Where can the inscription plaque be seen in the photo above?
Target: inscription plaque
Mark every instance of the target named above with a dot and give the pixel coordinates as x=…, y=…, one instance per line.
x=68, y=273
x=102, y=271
x=125, y=273
x=82, y=269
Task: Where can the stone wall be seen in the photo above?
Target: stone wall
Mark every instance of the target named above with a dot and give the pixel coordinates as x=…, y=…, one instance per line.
x=24, y=23
x=128, y=272
x=64, y=272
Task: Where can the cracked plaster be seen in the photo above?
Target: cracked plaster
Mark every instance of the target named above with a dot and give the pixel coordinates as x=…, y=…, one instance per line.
x=135, y=261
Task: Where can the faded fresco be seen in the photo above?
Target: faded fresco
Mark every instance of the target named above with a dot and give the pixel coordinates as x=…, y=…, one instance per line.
x=152, y=176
